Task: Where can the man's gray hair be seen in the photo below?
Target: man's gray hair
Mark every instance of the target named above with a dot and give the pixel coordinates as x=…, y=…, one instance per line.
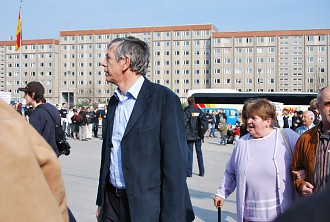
x=137, y=50
x=310, y=114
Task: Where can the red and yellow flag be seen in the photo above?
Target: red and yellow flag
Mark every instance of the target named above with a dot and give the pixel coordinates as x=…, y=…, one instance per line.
x=18, y=31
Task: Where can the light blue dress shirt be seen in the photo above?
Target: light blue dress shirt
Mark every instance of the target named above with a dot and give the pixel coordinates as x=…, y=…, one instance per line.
x=300, y=130
x=122, y=114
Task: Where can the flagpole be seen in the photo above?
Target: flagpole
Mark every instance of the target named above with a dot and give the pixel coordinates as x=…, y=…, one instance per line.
x=20, y=51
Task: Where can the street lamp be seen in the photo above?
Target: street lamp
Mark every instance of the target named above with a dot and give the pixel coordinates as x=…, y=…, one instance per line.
x=67, y=85
x=259, y=71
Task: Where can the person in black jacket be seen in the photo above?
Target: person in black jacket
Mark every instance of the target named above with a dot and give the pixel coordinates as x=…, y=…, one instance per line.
x=192, y=114
x=103, y=113
x=95, y=120
x=39, y=118
x=143, y=161
x=285, y=119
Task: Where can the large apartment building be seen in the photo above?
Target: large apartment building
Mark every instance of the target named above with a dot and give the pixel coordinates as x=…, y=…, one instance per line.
x=182, y=58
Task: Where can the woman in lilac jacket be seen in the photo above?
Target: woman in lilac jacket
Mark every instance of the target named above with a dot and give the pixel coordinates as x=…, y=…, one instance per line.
x=259, y=167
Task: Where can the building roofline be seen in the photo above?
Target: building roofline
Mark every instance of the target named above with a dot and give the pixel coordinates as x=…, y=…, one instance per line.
x=140, y=29
x=31, y=42
x=271, y=33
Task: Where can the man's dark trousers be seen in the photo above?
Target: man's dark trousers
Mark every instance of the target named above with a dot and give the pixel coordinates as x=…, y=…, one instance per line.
x=198, y=147
x=115, y=208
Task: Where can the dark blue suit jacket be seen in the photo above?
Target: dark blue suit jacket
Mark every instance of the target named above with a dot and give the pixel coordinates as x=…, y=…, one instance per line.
x=154, y=157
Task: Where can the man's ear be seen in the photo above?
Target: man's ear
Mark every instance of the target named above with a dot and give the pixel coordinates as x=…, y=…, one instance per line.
x=127, y=63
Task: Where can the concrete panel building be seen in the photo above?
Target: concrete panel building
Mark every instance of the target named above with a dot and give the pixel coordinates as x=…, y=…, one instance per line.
x=182, y=58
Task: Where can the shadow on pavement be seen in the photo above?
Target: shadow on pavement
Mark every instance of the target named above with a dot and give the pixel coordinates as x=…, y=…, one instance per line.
x=212, y=215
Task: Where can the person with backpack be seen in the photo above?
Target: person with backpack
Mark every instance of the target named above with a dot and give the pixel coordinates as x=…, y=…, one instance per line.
x=192, y=120
x=39, y=118
x=223, y=131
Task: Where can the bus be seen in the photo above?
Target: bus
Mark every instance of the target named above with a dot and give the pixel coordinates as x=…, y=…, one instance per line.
x=235, y=99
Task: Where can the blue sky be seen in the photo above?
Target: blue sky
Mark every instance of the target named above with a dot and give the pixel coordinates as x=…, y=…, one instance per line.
x=44, y=19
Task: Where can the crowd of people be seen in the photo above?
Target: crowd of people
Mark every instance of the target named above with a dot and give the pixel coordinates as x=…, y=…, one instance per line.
x=82, y=122
x=147, y=151
x=273, y=166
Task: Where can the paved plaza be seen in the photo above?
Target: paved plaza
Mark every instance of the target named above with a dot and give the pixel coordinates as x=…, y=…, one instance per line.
x=81, y=171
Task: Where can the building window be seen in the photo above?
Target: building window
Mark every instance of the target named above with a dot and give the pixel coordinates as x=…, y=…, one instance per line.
x=249, y=40
x=227, y=60
x=186, y=43
x=260, y=50
x=260, y=60
x=310, y=59
x=238, y=60
x=310, y=48
x=321, y=48
x=310, y=38
x=217, y=61
x=196, y=71
x=260, y=39
x=271, y=50
x=238, y=50
x=271, y=39
x=217, y=51
x=238, y=40
x=196, y=42
x=271, y=60
x=227, y=71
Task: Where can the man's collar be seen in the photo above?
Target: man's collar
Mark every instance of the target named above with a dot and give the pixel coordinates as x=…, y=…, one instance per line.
x=323, y=134
x=133, y=91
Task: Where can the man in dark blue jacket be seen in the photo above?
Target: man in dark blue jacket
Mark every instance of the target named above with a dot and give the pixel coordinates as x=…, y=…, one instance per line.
x=144, y=160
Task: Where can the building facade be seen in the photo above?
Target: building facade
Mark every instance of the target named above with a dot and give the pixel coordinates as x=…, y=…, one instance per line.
x=183, y=58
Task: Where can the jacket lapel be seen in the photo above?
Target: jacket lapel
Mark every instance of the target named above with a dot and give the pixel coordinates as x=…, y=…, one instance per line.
x=141, y=104
x=110, y=114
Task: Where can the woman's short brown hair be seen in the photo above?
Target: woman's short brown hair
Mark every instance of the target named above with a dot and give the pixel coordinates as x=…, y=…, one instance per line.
x=262, y=107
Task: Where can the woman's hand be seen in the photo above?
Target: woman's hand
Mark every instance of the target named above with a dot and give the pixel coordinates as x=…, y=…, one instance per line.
x=218, y=201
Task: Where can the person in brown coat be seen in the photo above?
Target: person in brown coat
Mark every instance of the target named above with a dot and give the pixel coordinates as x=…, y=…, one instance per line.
x=32, y=188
